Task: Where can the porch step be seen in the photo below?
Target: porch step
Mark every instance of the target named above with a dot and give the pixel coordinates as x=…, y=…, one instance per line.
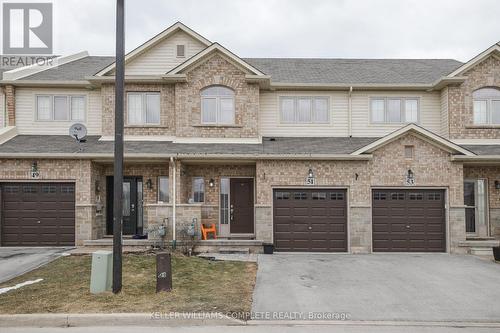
x=481, y=251
x=484, y=243
x=105, y=242
x=234, y=250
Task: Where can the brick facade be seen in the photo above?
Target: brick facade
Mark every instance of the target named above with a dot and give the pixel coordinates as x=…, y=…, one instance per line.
x=216, y=71
x=460, y=109
x=180, y=104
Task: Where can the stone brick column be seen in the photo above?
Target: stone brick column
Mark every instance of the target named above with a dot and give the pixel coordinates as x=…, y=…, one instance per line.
x=10, y=97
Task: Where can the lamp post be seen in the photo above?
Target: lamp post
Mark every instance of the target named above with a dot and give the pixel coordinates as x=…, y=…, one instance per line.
x=118, y=165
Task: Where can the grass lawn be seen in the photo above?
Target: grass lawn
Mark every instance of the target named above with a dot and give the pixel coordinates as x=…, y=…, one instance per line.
x=198, y=285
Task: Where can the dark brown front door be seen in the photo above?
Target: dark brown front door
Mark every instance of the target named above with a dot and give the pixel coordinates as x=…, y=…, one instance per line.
x=310, y=220
x=37, y=214
x=409, y=220
x=241, y=208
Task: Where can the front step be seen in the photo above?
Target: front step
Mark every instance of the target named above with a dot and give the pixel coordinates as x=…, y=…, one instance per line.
x=234, y=250
x=481, y=251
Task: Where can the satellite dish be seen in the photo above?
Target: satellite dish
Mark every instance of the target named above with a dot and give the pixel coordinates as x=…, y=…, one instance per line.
x=78, y=131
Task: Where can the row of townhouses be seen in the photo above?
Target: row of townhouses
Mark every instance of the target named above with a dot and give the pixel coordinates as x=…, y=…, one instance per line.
x=335, y=155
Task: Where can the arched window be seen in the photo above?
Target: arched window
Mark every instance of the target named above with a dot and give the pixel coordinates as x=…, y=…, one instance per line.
x=487, y=106
x=217, y=105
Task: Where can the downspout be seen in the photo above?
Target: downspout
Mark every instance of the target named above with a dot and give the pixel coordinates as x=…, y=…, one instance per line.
x=349, y=113
x=174, y=200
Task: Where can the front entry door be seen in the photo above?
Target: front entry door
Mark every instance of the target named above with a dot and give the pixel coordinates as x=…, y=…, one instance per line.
x=132, y=189
x=241, y=210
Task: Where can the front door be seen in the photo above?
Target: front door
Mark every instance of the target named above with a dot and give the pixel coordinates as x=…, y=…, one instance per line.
x=241, y=209
x=132, y=204
x=475, y=208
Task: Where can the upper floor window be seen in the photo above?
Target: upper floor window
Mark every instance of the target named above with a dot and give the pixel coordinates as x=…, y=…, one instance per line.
x=217, y=106
x=304, y=110
x=394, y=110
x=486, y=106
x=143, y=108
x=60, y=107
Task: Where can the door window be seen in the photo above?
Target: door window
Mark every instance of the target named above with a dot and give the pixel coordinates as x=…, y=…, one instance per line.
x=126, y=199
x=224, y=200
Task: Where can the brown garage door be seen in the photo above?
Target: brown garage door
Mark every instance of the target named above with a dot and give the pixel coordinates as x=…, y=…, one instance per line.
x=409, y=221
x=312, y=220
x=38, y=214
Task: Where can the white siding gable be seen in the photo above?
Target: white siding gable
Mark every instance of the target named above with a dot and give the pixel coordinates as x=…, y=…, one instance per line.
x=430, y=114
x=162, y=57
x=26, y=114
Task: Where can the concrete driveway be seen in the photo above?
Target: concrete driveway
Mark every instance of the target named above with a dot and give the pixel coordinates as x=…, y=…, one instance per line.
x=15, y=261
x=386, y=287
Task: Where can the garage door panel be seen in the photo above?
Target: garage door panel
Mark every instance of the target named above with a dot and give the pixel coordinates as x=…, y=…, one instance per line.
x=315, y=219
x=415, y=222
x=38, y=214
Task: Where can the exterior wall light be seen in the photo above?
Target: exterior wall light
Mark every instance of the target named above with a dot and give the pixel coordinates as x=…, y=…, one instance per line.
x=310, y=173
x=497, y=184
x=410, y=174
x=149, y=184
x=211, y=182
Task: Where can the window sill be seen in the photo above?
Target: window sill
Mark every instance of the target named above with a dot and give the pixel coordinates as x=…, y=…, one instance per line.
x=482, y=126
x=215, y=125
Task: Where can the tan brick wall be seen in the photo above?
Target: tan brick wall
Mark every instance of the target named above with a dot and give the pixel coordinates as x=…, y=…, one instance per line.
x=484, y=74
x=431, y=166
x=216, y=71
x=167, y=112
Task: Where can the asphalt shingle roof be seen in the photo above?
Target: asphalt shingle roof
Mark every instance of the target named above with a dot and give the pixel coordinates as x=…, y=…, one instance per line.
x=287, y=70
x=61, y=144
x=483, y=149
x=355, y=71
x=73, y=71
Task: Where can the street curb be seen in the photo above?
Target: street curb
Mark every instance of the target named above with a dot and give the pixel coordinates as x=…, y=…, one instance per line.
x=114, y=319
x=495, y=324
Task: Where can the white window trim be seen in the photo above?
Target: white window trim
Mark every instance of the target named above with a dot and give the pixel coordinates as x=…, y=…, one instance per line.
x=295, y=110
x=52, y=110
x=489, y=110
x=168, y=189
x=143, y=95
x=403, y=110
x=218, y=99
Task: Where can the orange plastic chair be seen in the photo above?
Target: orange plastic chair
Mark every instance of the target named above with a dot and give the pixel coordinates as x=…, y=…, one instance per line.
x=206, y=230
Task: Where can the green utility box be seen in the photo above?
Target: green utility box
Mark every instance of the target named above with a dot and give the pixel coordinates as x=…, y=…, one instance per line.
x=102, y=272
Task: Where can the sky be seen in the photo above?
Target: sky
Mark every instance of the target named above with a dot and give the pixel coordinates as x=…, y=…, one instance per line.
x=455, y=29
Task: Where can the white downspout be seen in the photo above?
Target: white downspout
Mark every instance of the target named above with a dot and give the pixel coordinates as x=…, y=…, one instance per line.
x=349, y=113
x=174, y=197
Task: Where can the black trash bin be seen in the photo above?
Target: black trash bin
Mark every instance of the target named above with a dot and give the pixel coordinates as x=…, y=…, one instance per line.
x=268, y=248
x=496, y=253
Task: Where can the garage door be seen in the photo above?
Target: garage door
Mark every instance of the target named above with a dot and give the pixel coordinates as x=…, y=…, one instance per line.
x=312, y=220
x=409, y=221
x=38, y=214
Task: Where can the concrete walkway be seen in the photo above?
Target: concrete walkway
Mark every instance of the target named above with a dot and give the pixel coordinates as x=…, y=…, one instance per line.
x=15, y=261
x=381, y=287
